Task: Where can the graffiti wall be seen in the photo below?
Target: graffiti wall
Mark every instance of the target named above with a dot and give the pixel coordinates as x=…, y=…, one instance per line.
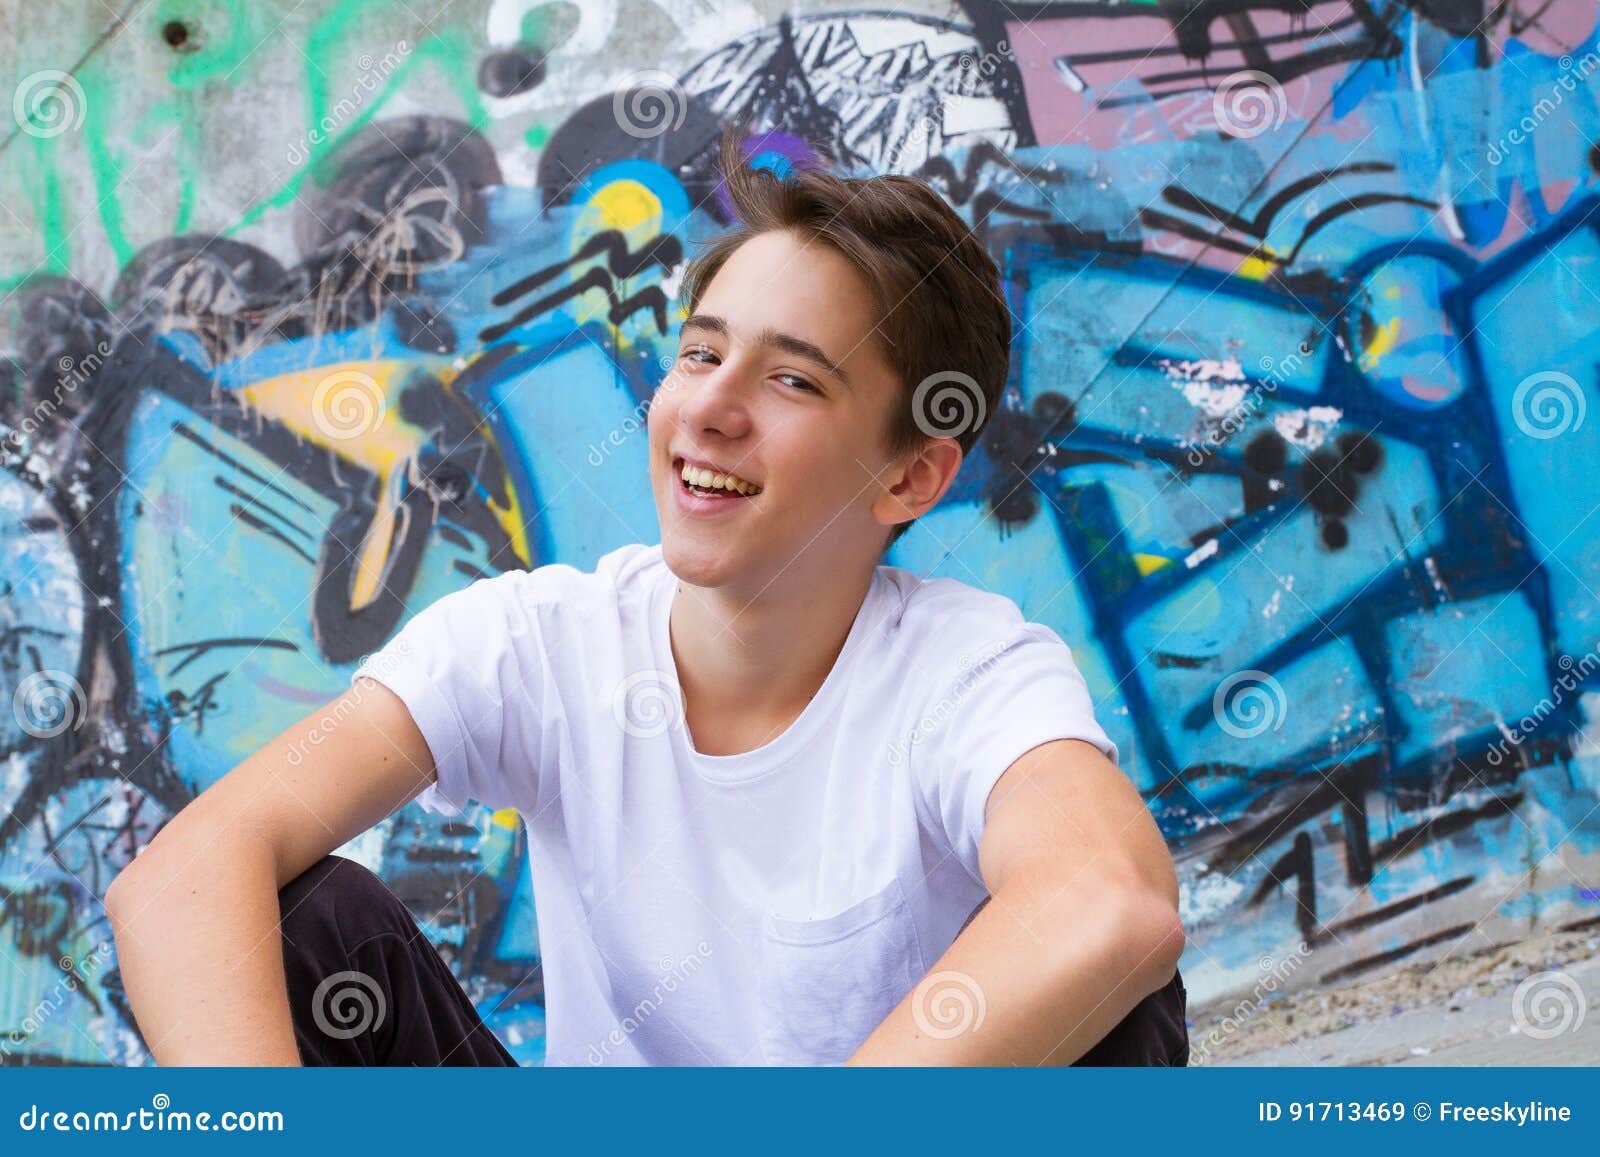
x=314, y=313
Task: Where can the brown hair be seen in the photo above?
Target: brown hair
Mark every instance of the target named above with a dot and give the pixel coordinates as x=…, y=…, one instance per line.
x=943, y=320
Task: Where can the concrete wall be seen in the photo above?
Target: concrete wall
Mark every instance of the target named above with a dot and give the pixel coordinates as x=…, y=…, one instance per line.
x=1295, y=453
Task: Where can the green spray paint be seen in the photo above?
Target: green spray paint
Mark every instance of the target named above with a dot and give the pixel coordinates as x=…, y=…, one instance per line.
x=333, y=51
x=219, y=37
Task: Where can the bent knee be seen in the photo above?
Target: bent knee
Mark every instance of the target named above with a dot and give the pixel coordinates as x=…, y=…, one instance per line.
x=337, y=892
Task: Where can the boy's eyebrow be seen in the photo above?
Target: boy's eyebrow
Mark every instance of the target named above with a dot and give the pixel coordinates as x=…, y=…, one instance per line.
x=777, y=339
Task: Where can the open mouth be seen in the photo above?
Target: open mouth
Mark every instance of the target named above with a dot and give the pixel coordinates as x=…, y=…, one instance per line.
x=706, y=482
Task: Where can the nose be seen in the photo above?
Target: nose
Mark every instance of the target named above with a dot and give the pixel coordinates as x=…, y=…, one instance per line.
x=714, y=400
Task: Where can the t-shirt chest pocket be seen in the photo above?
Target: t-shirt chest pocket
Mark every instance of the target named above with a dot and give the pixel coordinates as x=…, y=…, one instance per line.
x=826, y=983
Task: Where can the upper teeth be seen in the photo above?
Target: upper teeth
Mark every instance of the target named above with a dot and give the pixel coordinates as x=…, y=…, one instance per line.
x=709, y=480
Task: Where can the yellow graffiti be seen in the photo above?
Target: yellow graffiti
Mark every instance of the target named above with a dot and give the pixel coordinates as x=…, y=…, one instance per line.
x=1383, y=340
x=1149, y=563
x=346, y=408
x=1260, y=265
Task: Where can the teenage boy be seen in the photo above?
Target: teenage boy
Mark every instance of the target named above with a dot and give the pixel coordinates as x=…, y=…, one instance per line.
x=785, y=804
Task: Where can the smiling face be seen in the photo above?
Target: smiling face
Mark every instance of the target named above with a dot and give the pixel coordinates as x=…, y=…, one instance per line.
x=781, y=383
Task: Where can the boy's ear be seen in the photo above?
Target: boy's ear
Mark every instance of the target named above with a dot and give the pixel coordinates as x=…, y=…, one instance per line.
x=918, y=481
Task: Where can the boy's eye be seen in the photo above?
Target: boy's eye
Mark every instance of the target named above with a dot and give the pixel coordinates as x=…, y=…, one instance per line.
x=700, y=353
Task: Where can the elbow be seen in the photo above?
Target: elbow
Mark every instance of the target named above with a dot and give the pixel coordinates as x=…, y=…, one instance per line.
x=1170, y=944
x=147, y=876
x=118, y=902
x=1125, y=932
x=131, y=892
x=1146, y=933
x=121, y=896
x=1157, y=934
x=115, y=899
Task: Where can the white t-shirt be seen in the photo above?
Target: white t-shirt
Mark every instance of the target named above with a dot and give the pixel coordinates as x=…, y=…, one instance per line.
x=770, y=907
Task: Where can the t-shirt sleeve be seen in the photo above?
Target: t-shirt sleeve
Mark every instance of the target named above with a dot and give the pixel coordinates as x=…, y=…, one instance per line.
x=466, y=666
x=1005, y=696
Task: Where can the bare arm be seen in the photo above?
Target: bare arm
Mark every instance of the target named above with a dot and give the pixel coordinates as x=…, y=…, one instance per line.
x=1081, y=925
x=196, y=914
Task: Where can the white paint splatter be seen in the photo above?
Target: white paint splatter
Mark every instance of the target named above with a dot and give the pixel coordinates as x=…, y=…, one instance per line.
x=1199, y=380
x=1432, y=567
x=1205, y=896
x=1307, y=428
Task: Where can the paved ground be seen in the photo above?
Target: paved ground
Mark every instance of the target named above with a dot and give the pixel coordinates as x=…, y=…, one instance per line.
x=1535, y=1002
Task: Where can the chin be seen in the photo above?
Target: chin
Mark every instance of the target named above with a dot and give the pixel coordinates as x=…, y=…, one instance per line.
x=695, y=563
x=703, y=555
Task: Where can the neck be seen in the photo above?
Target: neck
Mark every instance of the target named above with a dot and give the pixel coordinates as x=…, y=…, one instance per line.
x=748, y=665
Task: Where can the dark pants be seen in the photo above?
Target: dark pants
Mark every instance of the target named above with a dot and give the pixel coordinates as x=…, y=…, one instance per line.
x=367, y=988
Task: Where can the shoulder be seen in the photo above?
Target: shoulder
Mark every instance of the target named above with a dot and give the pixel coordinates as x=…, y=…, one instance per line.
x=945, y=627
x=948, y=600
x=618, y=579
x=615, y=573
